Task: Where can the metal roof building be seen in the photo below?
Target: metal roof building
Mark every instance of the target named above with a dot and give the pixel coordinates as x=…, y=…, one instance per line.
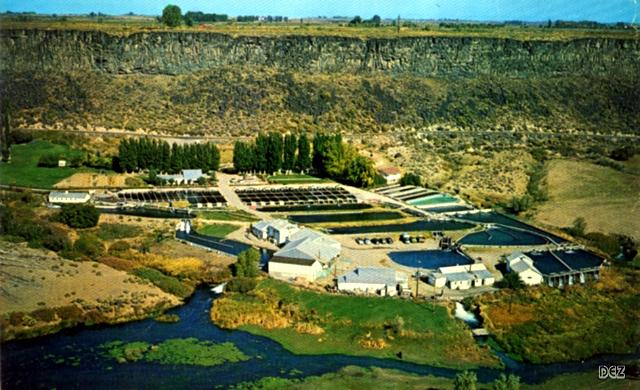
x=66, y=197
x=383, y=281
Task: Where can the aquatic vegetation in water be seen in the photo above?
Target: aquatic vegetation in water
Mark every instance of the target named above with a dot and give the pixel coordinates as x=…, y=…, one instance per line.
x=188, y=351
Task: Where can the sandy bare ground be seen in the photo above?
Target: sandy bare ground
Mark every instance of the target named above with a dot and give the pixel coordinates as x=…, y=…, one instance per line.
x=89, y=180
x=32, y=279
x=608, y=200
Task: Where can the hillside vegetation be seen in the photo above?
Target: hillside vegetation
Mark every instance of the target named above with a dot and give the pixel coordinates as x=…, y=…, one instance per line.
x=235, y=101
x=606, y=198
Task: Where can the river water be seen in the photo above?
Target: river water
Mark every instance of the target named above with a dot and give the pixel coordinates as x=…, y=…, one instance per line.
x=36, y=363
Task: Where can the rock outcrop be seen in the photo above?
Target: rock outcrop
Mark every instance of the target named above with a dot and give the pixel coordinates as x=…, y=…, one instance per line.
x=182, y=52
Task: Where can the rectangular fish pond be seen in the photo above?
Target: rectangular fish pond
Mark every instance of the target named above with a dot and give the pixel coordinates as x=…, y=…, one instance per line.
x=230, y=247
x=423, y=225
x=346, y=217
x=432, y=200
x=323, y=207
x=431, y=259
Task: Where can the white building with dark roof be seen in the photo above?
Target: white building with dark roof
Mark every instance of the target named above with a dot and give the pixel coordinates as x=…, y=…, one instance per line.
x=66, y=197
x=306, y=255
x=374, y=280
x=522, y=265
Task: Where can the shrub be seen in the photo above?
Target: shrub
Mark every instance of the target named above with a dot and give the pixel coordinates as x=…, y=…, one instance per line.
x=56, y=240
x=411, y=179
x=247, y=263
x=165, y=283
x=241, y=285
x=511, y=280
x=88, y=245
x=466, y=380
x=49, y=160
x=119, y=246
x=79, y=216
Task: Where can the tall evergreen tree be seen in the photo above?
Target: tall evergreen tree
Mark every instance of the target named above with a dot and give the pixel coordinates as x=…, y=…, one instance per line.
x=165, y=157
x=262, y=146
x=289, y=154
x=176, y=158
x=274, y=152
x=303, y=159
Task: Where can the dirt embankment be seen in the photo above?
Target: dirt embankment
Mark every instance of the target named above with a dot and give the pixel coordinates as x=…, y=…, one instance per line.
x=41, y=293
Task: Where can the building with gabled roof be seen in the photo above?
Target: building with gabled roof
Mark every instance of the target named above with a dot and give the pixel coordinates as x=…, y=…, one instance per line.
x=390, y=174
x=373, y=280
x=277, y=230
x=522, y=265
x=307, y=254
x=461, y=277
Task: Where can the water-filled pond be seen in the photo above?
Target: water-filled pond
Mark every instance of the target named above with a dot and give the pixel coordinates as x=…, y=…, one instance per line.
x=431, y=259
x=37, y=363
x=432, y=200
x=423, y=225
x=346, y=217
x=322, y=207
x=502, y=236
x=500, y=219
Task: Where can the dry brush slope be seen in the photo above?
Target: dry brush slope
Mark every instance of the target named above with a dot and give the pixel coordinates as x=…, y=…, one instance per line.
x=41, y=292
x=607, y=199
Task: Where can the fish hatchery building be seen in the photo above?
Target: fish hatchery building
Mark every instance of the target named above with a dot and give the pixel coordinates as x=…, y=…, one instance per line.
x=374, y=280
x=307, y=255
x=461, y=277
x=277, y=230
x=187, y=176
x=66, y=197
x=559, y=268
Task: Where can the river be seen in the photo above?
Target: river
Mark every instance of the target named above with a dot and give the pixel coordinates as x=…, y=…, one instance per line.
x=35, y=363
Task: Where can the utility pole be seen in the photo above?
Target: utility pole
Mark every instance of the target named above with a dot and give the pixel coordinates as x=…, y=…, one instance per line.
x=417, y=282
x=398, y=25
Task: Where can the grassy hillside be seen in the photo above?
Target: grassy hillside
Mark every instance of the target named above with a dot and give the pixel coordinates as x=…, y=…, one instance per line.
x=606, y=198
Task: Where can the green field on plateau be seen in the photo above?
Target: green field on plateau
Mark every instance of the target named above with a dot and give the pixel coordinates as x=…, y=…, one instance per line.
x=23, y=169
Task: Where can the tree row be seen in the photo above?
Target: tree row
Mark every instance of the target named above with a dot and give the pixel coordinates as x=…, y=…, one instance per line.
x=271, y=153
x=144, y=153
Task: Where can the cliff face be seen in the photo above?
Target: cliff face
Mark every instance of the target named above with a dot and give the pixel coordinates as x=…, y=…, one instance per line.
x=178, y=53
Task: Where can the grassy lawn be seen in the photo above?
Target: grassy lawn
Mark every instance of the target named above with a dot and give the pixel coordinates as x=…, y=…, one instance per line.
x=295, y=179
x=606, y=198
x=227, y=215
x=218, y=230
x=23, y=168
x=307, y=322
x=545, y=325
